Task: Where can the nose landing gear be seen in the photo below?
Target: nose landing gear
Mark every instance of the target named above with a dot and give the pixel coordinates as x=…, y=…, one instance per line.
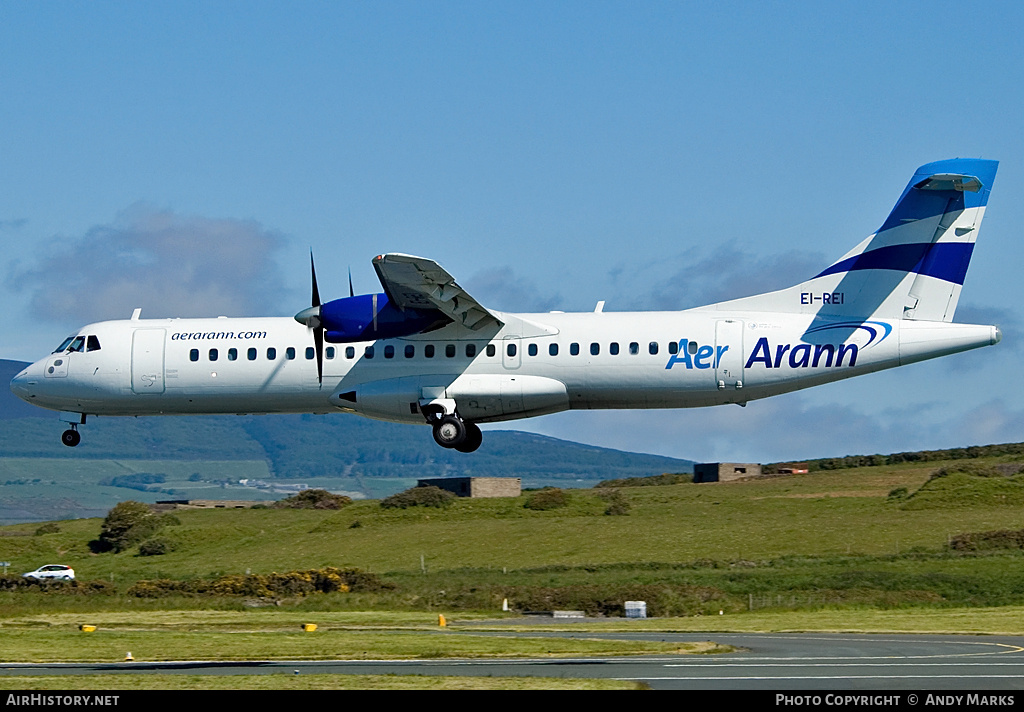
x=71, y=437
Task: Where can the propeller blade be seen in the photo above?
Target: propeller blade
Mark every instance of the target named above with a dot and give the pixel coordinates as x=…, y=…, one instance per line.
x=312, y=269
x=351, y=292
x=318, y=339
x=311, y=318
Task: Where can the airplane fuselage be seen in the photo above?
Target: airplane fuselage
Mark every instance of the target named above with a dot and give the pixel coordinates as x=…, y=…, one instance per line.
x=534, y=364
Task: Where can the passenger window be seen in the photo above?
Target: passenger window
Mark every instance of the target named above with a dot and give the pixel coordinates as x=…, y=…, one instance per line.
x=330, y=353
x=213, y=354
x=595, y=349
x=428, y=351
x=692, y=347
x=389, y=351
x=350, y=352
x=634, y=348
x=673, y=347
x=449, y=350
x=93, y=344
x=653, y=348
x=470, y=350
x=532, y=349
x=410, y=351
x=252, y=354
x=310, y=353
x=193, y=355
x=613, y=348
x=510, y=349
x=490, y=350
x=232, y=354
x=574, y=349
x=271, y=353
x=289, y=353
x=369, y=352
x=553, y=349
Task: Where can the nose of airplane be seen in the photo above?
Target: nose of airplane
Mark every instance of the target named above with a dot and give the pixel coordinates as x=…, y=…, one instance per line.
x=22, y=384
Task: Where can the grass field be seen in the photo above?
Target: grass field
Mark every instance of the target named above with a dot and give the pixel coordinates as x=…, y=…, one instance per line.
x=828, y=551
x=286, y=681
x=824, y=540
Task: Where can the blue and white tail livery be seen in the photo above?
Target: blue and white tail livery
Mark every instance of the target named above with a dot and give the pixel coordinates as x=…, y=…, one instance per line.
x=425, y=351
x=914, y=266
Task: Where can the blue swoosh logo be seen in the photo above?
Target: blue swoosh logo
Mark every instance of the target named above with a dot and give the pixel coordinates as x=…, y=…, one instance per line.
x=872, y=327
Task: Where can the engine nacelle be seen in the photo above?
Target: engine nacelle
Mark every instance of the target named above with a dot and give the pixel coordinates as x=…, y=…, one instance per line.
x=368, y=317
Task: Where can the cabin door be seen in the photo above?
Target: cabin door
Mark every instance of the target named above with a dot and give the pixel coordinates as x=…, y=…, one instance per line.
x=148, y=361
x=729, y=354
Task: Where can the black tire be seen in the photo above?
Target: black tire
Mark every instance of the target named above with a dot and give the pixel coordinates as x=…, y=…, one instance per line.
x=473, y=439
x=449, y=431
x=70, y=438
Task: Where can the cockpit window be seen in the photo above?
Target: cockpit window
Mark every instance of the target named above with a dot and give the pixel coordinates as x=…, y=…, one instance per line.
x=63, y=345
x=92, y=344
x=77, y=344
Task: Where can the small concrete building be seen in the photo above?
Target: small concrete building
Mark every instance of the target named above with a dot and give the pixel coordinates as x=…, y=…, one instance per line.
x=724, y=471
x=477, y=486
x=169, y=504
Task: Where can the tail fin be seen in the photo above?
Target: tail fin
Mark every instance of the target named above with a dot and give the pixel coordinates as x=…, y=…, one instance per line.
x=914, y=266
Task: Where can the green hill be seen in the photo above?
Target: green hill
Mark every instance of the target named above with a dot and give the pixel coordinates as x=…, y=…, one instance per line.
x=206, y=456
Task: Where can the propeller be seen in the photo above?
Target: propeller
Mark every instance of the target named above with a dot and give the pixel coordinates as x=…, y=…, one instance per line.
x=311, y=317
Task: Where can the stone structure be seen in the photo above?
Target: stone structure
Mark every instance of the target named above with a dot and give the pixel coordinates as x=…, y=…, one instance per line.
x=168, y=504
x=477, y=486
x=725, y=471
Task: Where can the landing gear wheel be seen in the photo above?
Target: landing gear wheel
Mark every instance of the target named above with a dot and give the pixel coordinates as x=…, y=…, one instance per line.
x=449, y=431
x=473, y=439
x=71, y=438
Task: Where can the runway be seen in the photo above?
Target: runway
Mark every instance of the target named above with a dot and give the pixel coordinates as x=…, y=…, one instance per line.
x=799, y=661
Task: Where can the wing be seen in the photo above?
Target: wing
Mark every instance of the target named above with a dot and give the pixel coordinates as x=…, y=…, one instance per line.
x=419, y=283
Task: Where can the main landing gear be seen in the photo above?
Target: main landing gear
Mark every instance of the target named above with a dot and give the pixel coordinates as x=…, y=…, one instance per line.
x=451, y=431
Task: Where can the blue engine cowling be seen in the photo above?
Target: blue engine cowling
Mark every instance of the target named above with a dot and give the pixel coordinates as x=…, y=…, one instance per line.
x=358, y=318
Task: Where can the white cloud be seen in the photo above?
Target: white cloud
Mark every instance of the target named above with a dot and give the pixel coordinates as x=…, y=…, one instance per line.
x=706, y=277
x=166, y=263
x=503, y=290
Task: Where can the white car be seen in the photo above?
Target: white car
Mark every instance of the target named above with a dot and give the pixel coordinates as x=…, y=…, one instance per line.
x=52, y=571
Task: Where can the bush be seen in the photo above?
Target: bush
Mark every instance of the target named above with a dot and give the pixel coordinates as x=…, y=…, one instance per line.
x=419, y=497
x=978, y=541
x=156, y=547
x=547, y=498
x=653, y=481
x=76, y=587
x=975, y=469
x=295, y=583
x=618, y=505
x=313, y=499
x=50, y=528
x=898, y=493
x=127, y=524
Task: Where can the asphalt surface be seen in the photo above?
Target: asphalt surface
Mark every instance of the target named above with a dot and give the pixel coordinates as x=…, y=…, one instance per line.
x=806, y=661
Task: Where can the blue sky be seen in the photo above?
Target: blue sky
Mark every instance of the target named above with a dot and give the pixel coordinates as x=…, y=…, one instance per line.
x=184, y=157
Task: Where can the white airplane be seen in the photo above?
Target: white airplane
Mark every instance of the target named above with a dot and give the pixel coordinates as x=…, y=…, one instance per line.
x=427, y=352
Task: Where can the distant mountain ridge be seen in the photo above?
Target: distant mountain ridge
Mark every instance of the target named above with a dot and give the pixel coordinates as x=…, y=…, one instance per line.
x=310, y=446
